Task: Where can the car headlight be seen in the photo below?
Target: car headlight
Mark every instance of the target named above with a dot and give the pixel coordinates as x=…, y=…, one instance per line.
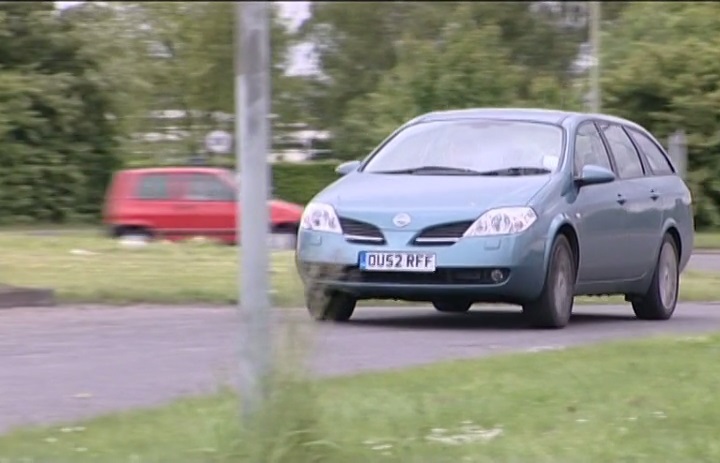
x=320, y=217
x=502, y=221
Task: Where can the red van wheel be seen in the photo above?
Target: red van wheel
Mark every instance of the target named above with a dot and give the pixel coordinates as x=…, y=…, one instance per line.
x=133, y=232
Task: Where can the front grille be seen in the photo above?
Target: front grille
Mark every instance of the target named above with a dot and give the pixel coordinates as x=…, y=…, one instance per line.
x=447, y=233
x=356, y=230
x=442, y=276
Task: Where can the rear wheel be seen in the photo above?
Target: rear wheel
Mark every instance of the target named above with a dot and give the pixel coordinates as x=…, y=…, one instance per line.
x=661, y=299
x=452, y=306
x=329, y=305
x=554, y=306
x=133, y=233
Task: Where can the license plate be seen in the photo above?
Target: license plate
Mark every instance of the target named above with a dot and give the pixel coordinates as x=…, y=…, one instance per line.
x=397, y=261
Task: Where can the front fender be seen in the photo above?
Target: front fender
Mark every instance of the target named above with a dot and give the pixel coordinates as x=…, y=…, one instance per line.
x=552, y=231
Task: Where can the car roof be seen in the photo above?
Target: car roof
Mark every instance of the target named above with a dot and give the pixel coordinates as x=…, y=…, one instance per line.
x=550, y=116
x=173, y=170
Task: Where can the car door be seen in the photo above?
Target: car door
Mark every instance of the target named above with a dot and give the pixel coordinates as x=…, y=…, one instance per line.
x=599, y=217
x=208, y=204
x=659, y=175
x=644, y=218
x=152, y=202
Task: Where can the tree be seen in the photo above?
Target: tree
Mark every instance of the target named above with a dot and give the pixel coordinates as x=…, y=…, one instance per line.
x=122, y=54
x=669, y=78
x=359, y=44
x=183, y=55
x=468, y=66
x=57, y=137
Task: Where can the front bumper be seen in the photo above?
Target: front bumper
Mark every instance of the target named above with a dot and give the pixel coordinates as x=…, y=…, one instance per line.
x=327, y=260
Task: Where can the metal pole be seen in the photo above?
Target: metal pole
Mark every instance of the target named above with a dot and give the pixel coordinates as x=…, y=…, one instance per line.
x=252, y=131
x=677, y=149
x=595, y=96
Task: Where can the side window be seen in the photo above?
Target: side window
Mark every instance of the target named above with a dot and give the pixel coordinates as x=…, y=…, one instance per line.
x=626, y=156
x=153, y=187
x=655, y=157
x=589, y=148
x=206, y=187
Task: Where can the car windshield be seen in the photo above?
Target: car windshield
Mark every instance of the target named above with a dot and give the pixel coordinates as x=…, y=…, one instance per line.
x=471, y=147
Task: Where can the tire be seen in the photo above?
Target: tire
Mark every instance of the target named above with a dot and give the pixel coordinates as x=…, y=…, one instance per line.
x=140, y=233
x=329, y=305
x=661, y=298
x=452, y=306
x=554, y=306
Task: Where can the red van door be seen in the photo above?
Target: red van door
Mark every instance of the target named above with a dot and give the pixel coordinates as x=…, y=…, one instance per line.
x=150, y=202
x=207, y=206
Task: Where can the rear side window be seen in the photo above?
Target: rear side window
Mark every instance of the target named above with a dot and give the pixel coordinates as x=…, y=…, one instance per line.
x=659, y=164
x=153, y=187
x=626, y=156
x=206, y=187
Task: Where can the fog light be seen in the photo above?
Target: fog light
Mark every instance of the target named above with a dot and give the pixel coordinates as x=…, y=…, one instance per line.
x=497, y=276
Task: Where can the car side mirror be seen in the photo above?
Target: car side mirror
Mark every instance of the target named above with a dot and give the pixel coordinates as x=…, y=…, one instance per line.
x=347, y=167
x=594, y=175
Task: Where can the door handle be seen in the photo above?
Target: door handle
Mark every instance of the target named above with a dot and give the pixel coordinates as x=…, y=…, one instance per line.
x=654, y=195
x=184, y=206
x=621, y=199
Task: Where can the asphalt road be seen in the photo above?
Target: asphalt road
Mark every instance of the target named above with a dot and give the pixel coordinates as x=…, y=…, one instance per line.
x=70, y=363
x=705, y=261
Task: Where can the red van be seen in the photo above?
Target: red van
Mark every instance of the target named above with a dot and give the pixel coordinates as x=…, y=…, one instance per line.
x=183, y=202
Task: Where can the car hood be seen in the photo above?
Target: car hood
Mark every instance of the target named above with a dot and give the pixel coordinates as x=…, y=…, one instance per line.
x=406, y=193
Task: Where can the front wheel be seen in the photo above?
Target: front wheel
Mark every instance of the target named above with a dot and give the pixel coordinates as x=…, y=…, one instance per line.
x=329, y=305
x=661, y=299
x=554, y=306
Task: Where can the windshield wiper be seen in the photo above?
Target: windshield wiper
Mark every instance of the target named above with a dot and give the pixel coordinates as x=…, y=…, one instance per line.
x=430, y=170
x=510, y=171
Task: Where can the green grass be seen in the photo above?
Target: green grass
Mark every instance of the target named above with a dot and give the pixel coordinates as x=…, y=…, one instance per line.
x=91, y=268
x=644, y=401
x=707, y=240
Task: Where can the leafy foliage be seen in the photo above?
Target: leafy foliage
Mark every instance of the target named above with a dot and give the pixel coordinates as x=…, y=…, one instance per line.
x=469, y=65
x=669, y=79
x=298, y=183
x=76, y=87
x=58, y=144
x=435, y=55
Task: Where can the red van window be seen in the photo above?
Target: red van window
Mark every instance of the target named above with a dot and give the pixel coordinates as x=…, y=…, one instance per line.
x=153, y=187
x=206, y=187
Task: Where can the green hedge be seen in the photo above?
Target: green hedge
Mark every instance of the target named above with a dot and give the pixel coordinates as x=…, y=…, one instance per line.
x=298, y=183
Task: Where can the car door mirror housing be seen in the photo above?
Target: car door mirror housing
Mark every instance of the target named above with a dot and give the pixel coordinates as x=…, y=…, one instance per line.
x=347, y=167
x=594, y=175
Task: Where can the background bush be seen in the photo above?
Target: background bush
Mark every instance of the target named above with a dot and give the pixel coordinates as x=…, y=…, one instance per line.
x=298, y=183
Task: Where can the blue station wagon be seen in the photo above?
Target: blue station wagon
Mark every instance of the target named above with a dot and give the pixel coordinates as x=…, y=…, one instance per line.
x=522, y=206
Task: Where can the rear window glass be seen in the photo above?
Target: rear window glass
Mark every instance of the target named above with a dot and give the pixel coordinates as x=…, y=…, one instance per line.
x=153, y=186
x=657, y=160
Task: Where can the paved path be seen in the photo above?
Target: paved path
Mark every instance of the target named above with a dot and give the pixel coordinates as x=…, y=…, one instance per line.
x=71, y=363
x=705, y=261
